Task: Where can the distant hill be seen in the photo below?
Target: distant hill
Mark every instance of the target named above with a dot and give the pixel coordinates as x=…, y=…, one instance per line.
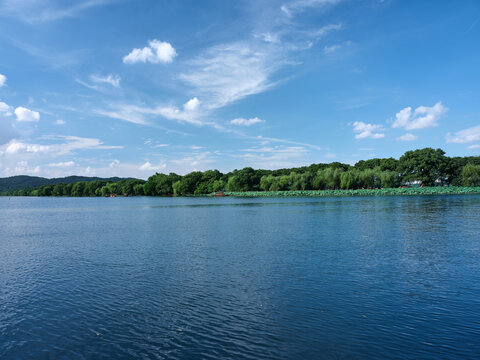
x=23, y=181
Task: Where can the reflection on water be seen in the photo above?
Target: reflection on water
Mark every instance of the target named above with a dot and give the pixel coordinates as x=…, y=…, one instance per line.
x=229, y=278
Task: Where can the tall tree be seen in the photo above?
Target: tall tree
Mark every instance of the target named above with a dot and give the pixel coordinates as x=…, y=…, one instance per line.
x=426, y=165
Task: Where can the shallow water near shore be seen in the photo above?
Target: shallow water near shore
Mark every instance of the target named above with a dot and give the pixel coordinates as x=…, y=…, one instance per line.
x=234, y=278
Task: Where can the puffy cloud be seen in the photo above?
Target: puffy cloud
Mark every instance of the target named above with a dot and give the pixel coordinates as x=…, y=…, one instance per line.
x=24, y=114
x=246, y=122
x=191, y=104
x=407, y=137
x=3, y=80
x=465, y=136
x=364, y=130
x=149, y=167
x=422, y=117
x=15, y=146
x=5, y=109
x=156, y=52
x=113, y=80
x=60, y=122
x=476, y=146
x=114, y=163
x=62, y=164
x=22, y=168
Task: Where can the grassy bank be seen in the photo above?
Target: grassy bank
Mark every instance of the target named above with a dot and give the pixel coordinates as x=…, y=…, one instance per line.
x=361, y=192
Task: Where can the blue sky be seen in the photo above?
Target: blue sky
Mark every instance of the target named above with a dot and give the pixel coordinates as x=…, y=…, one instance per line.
x=130, y=88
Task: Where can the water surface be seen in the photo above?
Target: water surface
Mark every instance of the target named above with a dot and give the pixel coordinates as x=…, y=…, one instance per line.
x=230, y=278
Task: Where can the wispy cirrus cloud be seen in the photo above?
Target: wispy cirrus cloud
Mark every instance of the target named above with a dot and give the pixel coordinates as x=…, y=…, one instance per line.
x=191, y=113
x=407, y=137
x=246, y=122
x=226, y=73
x=293, y=7
x=66, y=145
x=37, y=11
x=111, y=79
x=271, y=157
x=465, y=136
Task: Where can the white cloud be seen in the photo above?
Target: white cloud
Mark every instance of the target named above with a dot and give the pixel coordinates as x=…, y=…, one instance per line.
x=324, y=30
x=114, y=163
x=5, y=109
x=407, y=137
x=136, y=114
x=69, y=144
x=246, y=122
x=465, y=136
x=24, y=114
x=331, y=49
x=149, y=167
x=228, y=73
x=475, y=146
x=156, y=52
x=422, y=117
x=93, y=87
x=113, y=80
x=197, y=161
x=191, y=104
x=265, y=140
x=127, y=113
x=301, y=5
x=3, y=80
x=271, y=38
x=62, y=164
x=33, y=11
x=159, y=146
x=14, y=146
x=364, y=130
x=60, y=122
x=22, y=168
x=273, y=157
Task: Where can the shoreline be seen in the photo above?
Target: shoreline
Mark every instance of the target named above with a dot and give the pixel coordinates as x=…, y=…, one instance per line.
x=452, y=190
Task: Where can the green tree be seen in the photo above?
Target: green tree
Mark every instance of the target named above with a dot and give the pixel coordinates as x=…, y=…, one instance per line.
x=426, y=165
x=471, y=175
x=349, y=180
x=389, y=179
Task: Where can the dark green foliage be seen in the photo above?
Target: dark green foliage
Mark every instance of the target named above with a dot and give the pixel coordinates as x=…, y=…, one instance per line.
x=23, y=181
x=426, y=165
x=384, y=164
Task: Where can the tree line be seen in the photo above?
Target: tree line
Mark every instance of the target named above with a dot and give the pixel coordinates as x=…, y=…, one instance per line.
x=425, y=167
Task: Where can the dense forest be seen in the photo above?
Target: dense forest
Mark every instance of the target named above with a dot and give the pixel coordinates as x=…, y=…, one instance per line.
x=425, y=167
x=24, y=181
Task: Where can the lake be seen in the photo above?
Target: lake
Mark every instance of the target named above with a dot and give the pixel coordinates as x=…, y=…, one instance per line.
x=232, y=278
